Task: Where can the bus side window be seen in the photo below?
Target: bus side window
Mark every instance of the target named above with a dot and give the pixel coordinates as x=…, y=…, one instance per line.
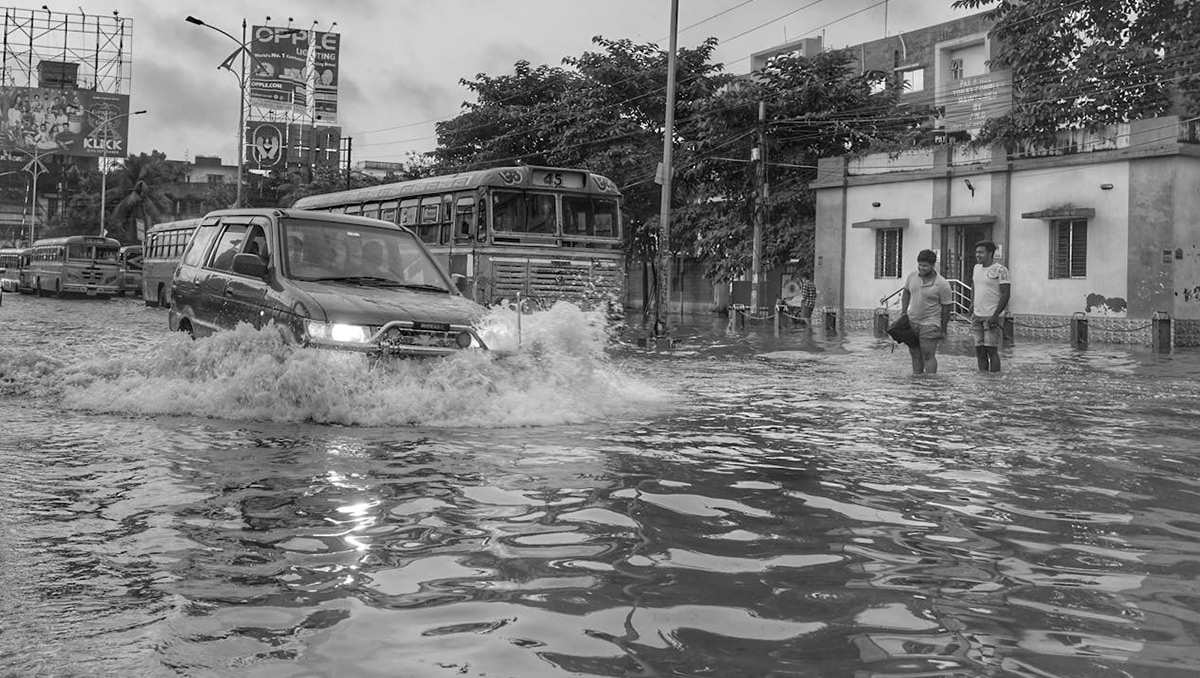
x=427, y=230
x=387, y=212
x=463, y=218
x=408, y=213
x=446, y=229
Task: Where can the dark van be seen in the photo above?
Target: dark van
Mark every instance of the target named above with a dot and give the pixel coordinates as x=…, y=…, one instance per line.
x=329, y=280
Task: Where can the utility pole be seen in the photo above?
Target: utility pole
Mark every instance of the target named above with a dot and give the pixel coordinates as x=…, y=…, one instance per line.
x=760, y=212
x=663, y=289
x=349, y=148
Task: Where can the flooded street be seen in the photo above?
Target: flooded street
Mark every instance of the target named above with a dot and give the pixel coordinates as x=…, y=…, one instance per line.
x=742, y=506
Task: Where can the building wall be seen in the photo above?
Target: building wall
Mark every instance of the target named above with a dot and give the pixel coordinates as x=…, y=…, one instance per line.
x=908, y=200
x=1108, y=244
x=1186, y=252
x=830, y=237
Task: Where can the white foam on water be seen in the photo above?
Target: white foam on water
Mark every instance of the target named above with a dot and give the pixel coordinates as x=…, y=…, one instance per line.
x=559, y=373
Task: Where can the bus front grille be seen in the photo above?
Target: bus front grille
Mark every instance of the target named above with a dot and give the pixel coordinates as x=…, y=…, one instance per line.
x=583, y=280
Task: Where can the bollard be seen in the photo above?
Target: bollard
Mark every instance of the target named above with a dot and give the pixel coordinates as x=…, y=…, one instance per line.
x=882, y=320
x=779, y=309
x=1007, y=329
x=739, y=317
x=830, y=320
x=1079, y=330
x=1160, y=332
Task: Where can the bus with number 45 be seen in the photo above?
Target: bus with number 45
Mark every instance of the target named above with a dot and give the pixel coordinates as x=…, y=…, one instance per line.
x=540, y=234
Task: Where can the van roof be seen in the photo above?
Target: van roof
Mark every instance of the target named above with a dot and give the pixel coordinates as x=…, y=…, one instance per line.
x=314, y=215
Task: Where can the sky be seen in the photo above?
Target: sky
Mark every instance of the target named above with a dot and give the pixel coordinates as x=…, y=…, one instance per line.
x=401, y=61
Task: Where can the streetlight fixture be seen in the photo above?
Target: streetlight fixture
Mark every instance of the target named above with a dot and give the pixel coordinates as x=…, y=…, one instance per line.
x=35, y=168
x=241, y=78
x=107, y=124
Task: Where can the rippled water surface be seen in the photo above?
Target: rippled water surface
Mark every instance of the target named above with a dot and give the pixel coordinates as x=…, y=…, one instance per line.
x=740, y=506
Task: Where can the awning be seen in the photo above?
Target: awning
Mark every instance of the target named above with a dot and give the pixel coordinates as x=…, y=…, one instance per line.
x=881, y=223
x=1065, y=212
x=963, y=220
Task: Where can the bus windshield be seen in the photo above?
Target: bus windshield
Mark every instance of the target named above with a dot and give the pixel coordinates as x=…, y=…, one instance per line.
x=321, y=250
x=79, y=251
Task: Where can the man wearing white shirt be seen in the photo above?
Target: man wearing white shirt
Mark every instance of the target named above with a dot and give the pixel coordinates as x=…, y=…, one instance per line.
x=992, y=288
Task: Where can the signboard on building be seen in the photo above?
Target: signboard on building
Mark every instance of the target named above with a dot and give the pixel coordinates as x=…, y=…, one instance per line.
x=75, y=122
x=970, y=102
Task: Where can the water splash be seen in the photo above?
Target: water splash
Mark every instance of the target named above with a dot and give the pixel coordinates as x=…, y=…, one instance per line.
x=557, y=372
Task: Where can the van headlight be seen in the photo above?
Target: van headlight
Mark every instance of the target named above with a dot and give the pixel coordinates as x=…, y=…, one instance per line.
x=338, y=333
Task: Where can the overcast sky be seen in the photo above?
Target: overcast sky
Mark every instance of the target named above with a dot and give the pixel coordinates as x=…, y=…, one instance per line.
x=401, y=60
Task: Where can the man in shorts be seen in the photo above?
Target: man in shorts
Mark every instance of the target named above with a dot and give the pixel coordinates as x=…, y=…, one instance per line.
x=926, y=301
x=991, y=291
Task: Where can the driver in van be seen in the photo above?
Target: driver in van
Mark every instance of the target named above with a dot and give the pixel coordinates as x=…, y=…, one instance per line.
x=373, y=260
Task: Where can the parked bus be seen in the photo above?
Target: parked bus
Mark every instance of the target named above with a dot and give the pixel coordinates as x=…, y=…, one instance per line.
x=11, y=260
x=84, y=264
x=164, y=247
x=539, y=232
x=130, y=261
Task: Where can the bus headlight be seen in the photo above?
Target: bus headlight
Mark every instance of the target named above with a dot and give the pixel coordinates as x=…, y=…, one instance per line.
x=338, y=332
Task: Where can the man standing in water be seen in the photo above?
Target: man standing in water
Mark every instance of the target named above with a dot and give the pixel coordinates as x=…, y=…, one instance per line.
x=927, y=294
x=992, y=288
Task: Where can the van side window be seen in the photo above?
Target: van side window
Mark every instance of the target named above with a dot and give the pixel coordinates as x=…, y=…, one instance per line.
x=228, y=245
x=256, y=241
x=199, y=243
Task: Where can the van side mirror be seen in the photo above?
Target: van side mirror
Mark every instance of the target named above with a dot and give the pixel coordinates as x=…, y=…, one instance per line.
x=249, y=264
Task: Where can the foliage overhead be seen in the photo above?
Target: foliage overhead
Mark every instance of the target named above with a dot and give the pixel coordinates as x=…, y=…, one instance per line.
x=605, y=111
x=1088, y=63
x=811, y=108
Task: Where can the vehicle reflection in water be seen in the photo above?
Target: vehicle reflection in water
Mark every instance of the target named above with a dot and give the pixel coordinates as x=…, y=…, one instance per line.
x=745, y=506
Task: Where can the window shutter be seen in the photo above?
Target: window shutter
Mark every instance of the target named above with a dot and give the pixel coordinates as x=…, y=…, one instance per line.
x=1060, y=254
x=1078, y=249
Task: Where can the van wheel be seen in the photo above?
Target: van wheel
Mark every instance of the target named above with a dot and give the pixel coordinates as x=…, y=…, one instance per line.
x=185, y=325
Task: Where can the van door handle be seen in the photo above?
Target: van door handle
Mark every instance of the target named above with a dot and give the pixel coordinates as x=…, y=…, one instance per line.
x=228, y=292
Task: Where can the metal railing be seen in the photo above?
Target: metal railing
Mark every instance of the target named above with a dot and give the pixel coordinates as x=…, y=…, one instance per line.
x=961, y=298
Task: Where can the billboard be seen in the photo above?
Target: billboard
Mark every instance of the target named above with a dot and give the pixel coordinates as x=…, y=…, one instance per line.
x=277, y=75
x=275, y=145
x=325, y=82
x=66, y=121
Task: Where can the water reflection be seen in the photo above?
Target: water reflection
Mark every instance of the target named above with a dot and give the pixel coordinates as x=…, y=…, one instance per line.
x=770, y=507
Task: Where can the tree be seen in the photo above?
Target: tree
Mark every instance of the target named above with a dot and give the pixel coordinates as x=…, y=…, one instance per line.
x=814, y=107
x=299, y=183
x=1091, y=62
x=134, y=193
x=605, y=111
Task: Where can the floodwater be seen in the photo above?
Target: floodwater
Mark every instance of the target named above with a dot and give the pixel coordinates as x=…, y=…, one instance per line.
x=741, y=506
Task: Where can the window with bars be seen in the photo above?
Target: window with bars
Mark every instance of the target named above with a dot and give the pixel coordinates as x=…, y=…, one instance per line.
x=1068, y=248
x=889, y=246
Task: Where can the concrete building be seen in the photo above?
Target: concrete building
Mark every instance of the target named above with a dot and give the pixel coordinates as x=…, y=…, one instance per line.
x=1105, y=224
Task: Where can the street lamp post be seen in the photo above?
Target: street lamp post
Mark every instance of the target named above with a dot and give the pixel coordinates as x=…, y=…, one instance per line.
x=35, y=168
x=241, y=78
x=107, y=124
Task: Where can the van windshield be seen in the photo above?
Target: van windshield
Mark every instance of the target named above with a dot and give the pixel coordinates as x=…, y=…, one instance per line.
x=354, y=254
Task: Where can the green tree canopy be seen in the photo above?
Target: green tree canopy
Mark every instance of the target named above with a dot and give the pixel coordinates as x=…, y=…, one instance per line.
x=605, y=111
x=1092, y=62
x=812, y=108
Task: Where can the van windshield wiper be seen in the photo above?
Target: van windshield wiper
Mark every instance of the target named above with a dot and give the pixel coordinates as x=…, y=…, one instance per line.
x=422, y=286
x=356, y=280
